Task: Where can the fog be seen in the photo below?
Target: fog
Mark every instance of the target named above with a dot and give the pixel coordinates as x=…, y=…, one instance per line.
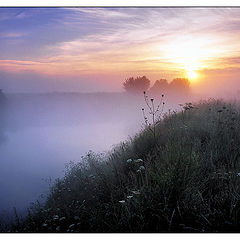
x=40, y=133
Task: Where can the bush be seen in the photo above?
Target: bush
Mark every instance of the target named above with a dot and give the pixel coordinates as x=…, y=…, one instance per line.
x=136, y=85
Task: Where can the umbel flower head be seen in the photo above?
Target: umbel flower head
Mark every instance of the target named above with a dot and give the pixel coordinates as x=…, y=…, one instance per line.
x=141, y=168
x=129, y=160
x=138, y=160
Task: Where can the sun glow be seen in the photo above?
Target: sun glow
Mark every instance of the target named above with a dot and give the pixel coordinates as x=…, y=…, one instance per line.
x=191, y=75
x=190, y=54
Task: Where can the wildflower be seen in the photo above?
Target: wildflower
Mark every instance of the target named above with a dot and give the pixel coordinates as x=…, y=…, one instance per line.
x=138, y=171
x=130, y=196
x=71, y=226
x=55, y=217
x=138, y=160
x=238, y=174
x=62, y=218
x=129, y=160
x=141, y=168
x=122, y=201
x=136, y=192
x=58, y=228
x=44, y=225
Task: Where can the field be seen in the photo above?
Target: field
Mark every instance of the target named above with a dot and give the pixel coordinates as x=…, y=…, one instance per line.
x=183, y=177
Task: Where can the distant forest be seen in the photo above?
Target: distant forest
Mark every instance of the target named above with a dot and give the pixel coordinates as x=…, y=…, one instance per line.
x=177, y=87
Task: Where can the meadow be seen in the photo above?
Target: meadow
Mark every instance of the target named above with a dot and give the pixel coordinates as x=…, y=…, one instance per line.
x=183, y=177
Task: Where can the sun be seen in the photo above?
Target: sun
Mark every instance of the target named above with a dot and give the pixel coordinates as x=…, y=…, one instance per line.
x=189, y=54
x=191, y=74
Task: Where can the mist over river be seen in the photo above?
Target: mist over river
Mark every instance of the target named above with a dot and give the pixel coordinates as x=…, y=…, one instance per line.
x=30, y=155
x=42, y=133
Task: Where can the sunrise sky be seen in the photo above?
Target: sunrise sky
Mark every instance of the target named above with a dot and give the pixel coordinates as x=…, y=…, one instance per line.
x=95, y=49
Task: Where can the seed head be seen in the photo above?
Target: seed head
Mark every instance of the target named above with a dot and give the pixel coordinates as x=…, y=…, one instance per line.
x=141, y=168
x=129, y=160
x=130, y=196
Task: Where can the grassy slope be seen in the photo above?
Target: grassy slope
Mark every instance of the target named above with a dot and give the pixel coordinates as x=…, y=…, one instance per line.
x=189, y=184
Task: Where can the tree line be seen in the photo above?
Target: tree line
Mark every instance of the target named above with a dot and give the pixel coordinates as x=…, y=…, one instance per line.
x=162, y=86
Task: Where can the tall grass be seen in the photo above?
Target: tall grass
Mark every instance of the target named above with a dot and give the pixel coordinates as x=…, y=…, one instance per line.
x=184, y=179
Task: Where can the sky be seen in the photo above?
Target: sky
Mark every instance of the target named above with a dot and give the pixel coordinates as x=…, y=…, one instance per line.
x=96, y=49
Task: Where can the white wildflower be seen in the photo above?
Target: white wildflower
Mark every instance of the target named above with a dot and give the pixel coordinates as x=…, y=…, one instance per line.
x=138, y=171
x=129, y=160
x=136, y=192
x=238, y=174
x=71, y=226
x=55, y=217
x=62, y=218
x=138, y=160
x=44, y=225
x=122, y=201
x=130, y=196
x=141, y=168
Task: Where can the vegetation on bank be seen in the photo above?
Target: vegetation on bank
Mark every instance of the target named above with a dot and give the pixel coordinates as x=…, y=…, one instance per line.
x=185, y=178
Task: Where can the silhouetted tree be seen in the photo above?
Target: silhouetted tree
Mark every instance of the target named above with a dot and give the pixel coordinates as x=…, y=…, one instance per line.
x=159, y=87
x=136, y=85
x=180, y=84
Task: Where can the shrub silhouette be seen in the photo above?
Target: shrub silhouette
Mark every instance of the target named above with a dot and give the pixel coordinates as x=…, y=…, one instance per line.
x=180, y=84
x=159, y=87
x=136, y=85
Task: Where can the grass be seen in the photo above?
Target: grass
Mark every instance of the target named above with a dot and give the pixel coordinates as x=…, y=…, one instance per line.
x=184, y=179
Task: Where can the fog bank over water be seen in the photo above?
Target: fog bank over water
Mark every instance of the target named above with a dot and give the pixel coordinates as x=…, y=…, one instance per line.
x=43, y=132
x=40, y=133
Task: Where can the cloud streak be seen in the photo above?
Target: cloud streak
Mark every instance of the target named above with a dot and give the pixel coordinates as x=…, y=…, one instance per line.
x=118, y=41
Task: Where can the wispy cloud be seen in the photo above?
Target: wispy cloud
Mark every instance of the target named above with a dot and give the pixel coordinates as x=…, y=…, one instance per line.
x=75, y=41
